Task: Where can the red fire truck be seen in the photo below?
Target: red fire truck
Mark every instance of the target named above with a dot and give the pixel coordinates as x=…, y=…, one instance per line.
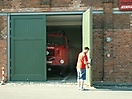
x=57, y=52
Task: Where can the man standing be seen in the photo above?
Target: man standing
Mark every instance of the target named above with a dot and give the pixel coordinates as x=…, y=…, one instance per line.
x=82, y=63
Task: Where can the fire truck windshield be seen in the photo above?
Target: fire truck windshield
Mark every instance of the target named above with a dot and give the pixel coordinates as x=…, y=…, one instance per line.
x=56, y=40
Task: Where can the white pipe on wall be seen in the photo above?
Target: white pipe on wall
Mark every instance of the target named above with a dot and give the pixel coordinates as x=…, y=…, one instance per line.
x=8, y=46
x=52, y=13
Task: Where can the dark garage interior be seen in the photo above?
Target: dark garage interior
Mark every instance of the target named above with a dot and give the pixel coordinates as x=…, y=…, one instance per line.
x=72, y=26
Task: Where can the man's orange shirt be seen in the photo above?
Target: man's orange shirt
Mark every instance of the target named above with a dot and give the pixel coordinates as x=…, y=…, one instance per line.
x=82, y=57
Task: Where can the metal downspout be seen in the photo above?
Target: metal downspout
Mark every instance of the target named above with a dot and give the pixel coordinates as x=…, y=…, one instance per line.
x=8, y=46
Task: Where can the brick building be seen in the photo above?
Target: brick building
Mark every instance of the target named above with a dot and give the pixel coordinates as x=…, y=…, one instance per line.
x=112, y=61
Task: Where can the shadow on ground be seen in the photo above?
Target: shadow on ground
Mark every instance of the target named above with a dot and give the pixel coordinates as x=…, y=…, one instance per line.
x=111, y=88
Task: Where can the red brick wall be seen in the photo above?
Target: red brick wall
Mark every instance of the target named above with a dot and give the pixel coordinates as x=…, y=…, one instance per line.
x=4, y=4
x=94, y=3
x=117, y=67
x=98, y=51
x=122, y=46
x=123, y=55
x=3, y=44
x=116, y=4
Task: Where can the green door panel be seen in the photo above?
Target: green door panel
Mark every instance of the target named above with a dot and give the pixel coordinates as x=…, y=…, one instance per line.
x=87, y=39
x=28, y=47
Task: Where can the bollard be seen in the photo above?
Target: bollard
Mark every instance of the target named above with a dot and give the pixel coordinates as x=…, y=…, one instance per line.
x=3, y=78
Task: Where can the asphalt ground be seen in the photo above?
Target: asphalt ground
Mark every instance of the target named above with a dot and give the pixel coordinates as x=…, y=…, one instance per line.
x=46, y=90
x=62, y=88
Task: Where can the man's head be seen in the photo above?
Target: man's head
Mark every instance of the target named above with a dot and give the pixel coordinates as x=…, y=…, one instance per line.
x=86, y=49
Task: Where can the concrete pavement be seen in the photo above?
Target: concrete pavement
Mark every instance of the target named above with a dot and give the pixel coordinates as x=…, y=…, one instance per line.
x=58, y=91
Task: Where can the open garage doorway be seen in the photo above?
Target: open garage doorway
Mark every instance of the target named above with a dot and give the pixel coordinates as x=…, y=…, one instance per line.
x=78, y=30
x=71, y=27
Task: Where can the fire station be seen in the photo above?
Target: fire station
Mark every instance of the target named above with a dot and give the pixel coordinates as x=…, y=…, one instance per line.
x=105, y=26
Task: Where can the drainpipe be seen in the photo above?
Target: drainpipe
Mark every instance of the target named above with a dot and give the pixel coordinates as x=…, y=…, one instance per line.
x=108, y=67
x=8, y=46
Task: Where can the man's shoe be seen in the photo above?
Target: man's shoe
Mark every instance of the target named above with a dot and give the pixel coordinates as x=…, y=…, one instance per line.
x=82, y=89
x=79, y=88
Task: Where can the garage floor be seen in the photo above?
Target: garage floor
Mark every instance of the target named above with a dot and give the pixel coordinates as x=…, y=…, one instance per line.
x=56, y=77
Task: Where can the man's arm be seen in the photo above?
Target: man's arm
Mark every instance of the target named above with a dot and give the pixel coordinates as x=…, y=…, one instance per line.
x=86, y=61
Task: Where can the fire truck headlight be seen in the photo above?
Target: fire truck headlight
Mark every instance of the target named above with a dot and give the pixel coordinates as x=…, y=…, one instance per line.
x=47, y=52
x=62, y=61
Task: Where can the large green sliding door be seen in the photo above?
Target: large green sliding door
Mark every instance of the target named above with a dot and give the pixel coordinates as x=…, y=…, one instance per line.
x=28, y=47
x=87, y=39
